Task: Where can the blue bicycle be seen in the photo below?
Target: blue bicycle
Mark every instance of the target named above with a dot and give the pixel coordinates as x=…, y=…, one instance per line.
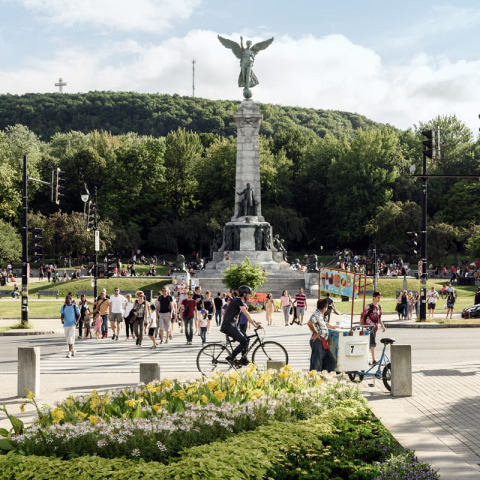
x=376, y=371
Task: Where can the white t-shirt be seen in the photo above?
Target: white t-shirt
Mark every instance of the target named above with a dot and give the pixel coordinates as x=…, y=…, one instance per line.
x=203, y=322
x=128, y=308
x=116, y=304
x=432, y=296
x=154, y=320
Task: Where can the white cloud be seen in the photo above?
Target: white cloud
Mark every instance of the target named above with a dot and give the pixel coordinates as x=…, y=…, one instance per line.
x=326, y=73
x=153, y=16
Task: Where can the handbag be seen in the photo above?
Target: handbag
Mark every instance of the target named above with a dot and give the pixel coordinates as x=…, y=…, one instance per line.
x=131, y=316
x=325, y=344
x=397, y=307
x=291, y=310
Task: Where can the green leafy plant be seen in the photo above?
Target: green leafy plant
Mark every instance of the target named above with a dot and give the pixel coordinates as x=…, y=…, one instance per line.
x=244, y=274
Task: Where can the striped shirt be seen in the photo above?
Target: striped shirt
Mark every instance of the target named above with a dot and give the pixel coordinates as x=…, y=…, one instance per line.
x=300, y=300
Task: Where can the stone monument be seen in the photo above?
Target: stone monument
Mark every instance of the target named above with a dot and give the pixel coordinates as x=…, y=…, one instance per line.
x=248, y=234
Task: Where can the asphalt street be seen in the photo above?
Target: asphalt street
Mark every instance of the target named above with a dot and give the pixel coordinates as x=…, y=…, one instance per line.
x=429, y=346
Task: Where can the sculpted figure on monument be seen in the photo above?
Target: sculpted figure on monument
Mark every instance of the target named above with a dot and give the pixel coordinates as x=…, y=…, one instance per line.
x=247, y=204
x=278, y=244
x=312, y=263
x=232, y=238
x=217, y=243
x=246, y=55
x=267, y=238
x=259, y=238
x=236, y=238
x=180, y=263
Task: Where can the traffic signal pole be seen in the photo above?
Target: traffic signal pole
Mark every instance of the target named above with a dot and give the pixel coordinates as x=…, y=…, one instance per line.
x=423, y=251
x=25, y=244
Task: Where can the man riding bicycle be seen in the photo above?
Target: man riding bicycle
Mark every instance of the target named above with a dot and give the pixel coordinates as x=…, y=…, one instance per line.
x=230, y=323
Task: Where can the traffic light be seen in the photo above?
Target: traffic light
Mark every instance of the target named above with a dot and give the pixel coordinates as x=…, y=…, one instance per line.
x=111, y=265
x=37, y=243
x=91, y=216
x=429, y=143
x=57, y=186
x=412, y=251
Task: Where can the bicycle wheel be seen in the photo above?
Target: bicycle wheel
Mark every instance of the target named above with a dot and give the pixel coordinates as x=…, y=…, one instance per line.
x=387, y=377
x=269, y=351
x=213, y=357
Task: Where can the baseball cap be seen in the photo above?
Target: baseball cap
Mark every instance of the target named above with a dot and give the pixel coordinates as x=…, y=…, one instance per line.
x=377, y=294
x=189, y=292
x=202, y=311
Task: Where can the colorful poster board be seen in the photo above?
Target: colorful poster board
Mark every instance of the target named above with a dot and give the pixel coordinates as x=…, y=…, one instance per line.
x=339, y=282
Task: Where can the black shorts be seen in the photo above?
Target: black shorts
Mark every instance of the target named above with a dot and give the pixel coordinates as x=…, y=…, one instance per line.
x=151, y=332
x=431, y=306
x=373, y=340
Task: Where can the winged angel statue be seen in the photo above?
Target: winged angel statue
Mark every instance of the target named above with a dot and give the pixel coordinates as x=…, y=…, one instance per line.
x=246, y=55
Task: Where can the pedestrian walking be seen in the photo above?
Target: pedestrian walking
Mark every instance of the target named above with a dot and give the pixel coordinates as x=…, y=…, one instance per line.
x=450, y=303
x=164, y=303
x=117, y=312
x=301, y=303
x=97, y=325
x=103, y=307
x=141, y=313
x=331, y=308
x=87, y=332
x=209, y=306
x=432, y=298
x=128, y=317
x=152, y=327
x=286, y=302
x=188, y=310
x=269, y=308
x=69, y=315
x=83, y=306
x=198, y=297
x=204, y=325
x=218, y=302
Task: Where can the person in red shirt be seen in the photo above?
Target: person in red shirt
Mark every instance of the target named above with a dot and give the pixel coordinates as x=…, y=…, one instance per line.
x=187, y=310
x=372, y=315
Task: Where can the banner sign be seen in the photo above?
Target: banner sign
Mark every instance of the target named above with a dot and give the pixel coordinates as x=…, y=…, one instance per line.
x=339, y=282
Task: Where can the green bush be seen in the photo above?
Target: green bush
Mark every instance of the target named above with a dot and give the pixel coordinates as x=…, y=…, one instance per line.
x=244, y=274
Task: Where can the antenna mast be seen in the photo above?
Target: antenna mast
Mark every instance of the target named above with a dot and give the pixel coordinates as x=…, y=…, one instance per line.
x=193, y=78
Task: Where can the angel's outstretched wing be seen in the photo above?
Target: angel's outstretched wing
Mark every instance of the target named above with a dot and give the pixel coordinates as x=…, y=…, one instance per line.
x=261, y=45
x=233, y=46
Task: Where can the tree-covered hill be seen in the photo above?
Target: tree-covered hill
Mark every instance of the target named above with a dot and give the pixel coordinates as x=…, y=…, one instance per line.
x=157, y=115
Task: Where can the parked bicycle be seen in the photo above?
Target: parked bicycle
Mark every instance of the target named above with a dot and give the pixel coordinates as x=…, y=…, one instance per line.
x=381, y=370
x=214, y=355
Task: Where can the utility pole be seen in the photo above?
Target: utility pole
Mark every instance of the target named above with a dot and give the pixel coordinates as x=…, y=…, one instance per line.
x=97, y=248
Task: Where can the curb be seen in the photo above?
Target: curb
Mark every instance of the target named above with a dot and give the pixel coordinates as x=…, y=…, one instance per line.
x=433, y=325
x=20, y=333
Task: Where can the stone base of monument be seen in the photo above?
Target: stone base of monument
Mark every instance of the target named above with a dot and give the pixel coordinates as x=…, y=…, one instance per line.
x=256, y=257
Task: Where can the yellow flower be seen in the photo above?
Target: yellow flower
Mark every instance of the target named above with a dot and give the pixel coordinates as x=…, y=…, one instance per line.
x=30, y=395
x=204, y=399
x=163, y=402
x=211, y=385
x=157, y=407
x=58, y=414
x=220, y=395
x=106, y=400
x=93, y=419
x=260, y=383
x=131, y=403
x=181, y=395
x=22, y=407
x=151, y=388
x=191, y=391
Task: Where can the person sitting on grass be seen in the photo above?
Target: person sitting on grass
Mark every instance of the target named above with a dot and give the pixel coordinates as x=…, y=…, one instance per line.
x=15, y=291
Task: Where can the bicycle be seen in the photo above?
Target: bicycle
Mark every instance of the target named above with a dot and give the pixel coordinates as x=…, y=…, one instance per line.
x=214, y=355
x=376, y=371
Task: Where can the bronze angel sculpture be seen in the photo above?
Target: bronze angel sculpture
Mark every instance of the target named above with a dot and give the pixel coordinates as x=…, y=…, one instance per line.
x=246, y=55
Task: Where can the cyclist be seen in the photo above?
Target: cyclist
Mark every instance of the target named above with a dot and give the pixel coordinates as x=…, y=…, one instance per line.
x=230, y=319
x=372, y=315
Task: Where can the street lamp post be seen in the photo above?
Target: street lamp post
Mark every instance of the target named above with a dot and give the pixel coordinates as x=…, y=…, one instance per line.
x=85, y=195
x=97, y=247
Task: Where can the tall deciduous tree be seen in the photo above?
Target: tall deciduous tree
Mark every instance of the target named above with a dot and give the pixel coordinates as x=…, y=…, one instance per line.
x=183, y=151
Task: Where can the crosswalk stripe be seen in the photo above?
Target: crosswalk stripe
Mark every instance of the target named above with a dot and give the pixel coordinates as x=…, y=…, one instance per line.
x=121, y=356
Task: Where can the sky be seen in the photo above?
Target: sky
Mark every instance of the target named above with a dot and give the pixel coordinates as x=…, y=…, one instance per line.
x=399, y=63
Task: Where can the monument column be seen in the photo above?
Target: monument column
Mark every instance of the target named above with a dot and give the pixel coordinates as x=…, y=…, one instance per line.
x=248, y=120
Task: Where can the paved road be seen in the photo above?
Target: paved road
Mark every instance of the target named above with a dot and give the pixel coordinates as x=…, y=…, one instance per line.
x=443, y=347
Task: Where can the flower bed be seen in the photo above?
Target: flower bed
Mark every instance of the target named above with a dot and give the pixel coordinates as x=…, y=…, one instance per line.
x=249, y=424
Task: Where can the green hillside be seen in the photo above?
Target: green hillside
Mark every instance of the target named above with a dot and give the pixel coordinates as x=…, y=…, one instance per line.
x=156, y=114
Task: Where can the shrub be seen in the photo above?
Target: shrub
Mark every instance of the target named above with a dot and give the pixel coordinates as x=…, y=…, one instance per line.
x=244, y=274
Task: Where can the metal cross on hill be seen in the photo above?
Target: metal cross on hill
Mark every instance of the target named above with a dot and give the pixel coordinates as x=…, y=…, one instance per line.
x=60, y=84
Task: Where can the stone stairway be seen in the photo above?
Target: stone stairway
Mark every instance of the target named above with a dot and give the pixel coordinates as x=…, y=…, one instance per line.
x=275, y=283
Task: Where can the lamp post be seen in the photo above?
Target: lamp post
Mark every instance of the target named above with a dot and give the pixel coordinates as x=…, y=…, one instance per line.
x=85, y=195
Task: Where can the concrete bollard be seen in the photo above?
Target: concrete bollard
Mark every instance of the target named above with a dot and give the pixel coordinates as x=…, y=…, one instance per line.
x=401, y=358
x=28, y=377
x=149, y=372
x=275, y=365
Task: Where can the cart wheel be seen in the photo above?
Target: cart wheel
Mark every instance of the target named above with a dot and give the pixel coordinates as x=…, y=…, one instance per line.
x=353, y=377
